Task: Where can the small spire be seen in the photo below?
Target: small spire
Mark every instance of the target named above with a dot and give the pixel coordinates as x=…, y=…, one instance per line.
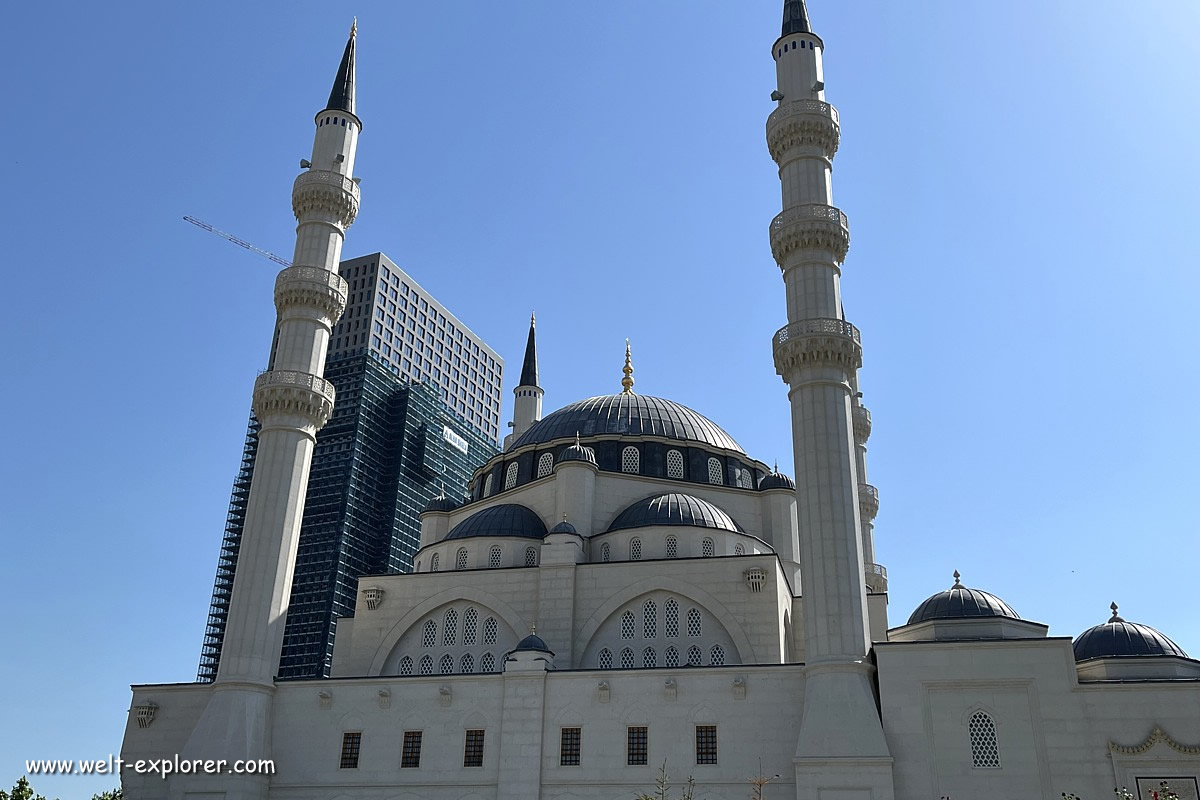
x=529, y=369
x=341, y=97
x=957, y=582
x=533, y=629
x=795, y=18
x=1115, y=617
x=354, y=27
x=564, y=517
x=577, y=439
x=776, y=470
x=627, y=381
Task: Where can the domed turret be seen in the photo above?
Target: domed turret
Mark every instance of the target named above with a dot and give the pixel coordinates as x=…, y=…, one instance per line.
x=1120, y=639
x=674, y=509
x=959, y=602
x=441, y=503
x=564, y=527
x=777, y=480
x=577, y=452
x=508, y=519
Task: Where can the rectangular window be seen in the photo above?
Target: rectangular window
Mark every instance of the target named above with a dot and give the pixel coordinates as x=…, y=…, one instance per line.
x=410, y=755
x=351, y=744
x=706, y=744
x=568, y=750
x=637, y=746
x=473, y=752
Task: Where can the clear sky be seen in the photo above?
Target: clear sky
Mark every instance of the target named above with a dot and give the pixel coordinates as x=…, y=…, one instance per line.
x=1020, y=178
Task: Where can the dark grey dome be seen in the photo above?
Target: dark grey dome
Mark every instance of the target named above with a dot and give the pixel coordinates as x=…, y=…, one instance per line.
x=776, y=480
x=628, y=415
x=440, y=504
x=578, y=452
x=508, y=519
x=959, y=602
x=532, y=642
x=1118, y=639
x=674, y=509
x=564, y=527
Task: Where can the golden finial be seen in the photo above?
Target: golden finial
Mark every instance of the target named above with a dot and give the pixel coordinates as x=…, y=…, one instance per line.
x=627, y=381
x=354, y=27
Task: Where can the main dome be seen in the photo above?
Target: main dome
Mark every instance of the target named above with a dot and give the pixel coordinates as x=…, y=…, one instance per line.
x=628, y=415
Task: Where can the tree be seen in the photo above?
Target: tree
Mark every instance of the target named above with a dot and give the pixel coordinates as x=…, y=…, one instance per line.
x=21, y=791
x=111, y=794
x=662, y=786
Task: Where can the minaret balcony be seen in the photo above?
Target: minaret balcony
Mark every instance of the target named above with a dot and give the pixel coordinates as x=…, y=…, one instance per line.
x=803, y=123
x=326, y=193
x=868, y=501
x=311, y=287
x=862, y=424
x=876, y=576
x=809, y=343
x=282, y=392
x=814, y=226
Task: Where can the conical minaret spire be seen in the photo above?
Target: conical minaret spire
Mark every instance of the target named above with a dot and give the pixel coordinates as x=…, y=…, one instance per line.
x=529, y=372
x=795, y=18
x=341, y=96
x=527, y=405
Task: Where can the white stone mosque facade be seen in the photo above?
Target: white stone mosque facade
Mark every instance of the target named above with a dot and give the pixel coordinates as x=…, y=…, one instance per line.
x=624, y=587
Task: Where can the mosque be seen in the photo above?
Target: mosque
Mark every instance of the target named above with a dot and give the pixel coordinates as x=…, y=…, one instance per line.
x=624, y=587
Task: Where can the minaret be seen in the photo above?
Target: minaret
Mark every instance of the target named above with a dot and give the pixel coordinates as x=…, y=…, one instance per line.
x=818, y=354
x=868, y=495
x=291, y=401
x=527, y=407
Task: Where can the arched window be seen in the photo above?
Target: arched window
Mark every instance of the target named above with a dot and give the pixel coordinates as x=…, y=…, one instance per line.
x=530, y=557
x=604, y=660
x=649, y=619
x=715, y=472
x=434, y=563
x=418, y=569
x=649, y=658
x=510, y=476
x=671, y=621
x=446, y=667
x=406, y=666
x=744, y=480
x=985, y=750
x=627, y=625
x=470, y=623
x=545, y=464
x=489, y=630
x=494, y=556
x=460, y=558
x=674, y=464
x=467, y=665
x=708, y=548
x=627, y=660
x=429, y=634
x=450, y=628
x=426, y=666
x=487, y=663
x=694, y=625
x=671, y=657
x=672, y=547
x=694, y=656
x=605, y=552
x=487, y=486
x=739, y=549
x=635, y=549
x=631, y=460
x=716, y=656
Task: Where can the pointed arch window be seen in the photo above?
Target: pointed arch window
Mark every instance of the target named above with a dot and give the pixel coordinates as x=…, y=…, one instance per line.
x=495, y=556
x=635, y=549
x=627, y=659
x=470, y=624
x=671, y=657
x=426, y=665
x=460, y=558
x=489, y=630
x=674, y=464
x=671, y=618
x=694, y=624
x=446, y=667
x=649, y=619
x=604, y=660
x=605, y=552
x=406, y=666
x=467, y=665
x=985, y=749
x=716, y=474
x=510, y=476
x=487, y=663
x=450, y=628
x=545, y=464
x=694, y=656
x=649, y=658
x=716, y=656
x=435, y=563
x=530, y=557
x=627, y=625
x=672, y=547
x=631, y=460
x=429, y=634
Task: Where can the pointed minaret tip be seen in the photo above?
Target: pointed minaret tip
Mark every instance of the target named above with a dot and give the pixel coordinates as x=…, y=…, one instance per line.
x=341, y=96
x=795, y=18
x=354, y=28
x=529, y=369
x=627, y=381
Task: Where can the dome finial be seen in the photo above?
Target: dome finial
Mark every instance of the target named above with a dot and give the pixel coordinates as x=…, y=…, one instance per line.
x=957, y=581
x=354, y=27
x=1115, y=617
x=627, y=381
x=533, y=629
x=577, y=439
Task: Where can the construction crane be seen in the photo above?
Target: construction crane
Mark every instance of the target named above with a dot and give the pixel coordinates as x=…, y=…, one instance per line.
x=239, y=242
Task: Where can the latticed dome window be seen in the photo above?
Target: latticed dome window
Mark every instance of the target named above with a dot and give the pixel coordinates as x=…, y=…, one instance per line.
x=406, y=666
x=985, y=749
x=694, y=623
x=716, y=473
x=510, y=476
x=545, y=464
x=489, y=630
x=467, y=664
x=435, y=563
x=470, y=624
x=674, y=464
x=631, y=460
x=604, y=660
x=494, y=557
x=635, y=549
x=627, y=660
x=426, y=667
x=716, y=656
x=627, y=625
x=530, y=557
x=460, y=558
x=672, y=547
x=450, y=628
x=487, y=663
x=649, y=658
x=429, y=634
x=649, y=619
x=605, y=552
x=708, y=548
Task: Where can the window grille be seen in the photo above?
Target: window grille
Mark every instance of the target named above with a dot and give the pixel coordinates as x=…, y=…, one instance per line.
x=631, y=460
x=627, y=625
x=351, y=746
x=494, y=556
x=510, y=476
x=674, y=464
x=743, y=479
x=706, y=744
x=637, y=746
x=446, y=667
x=487, y=663
x=649, y=619
x=715, y=472
x=985, y=749
x=671, y=657
x=605, y=552
x=489, y=630
x=429, y=634
x=545, y=464
x=694, y=656
x=627, y=660
x=530, y=557
x=716, y=656
x=739, y=549
x=487, y=486
x=568, y=749
x=473, y=751
x=467, y=664
x=604, y=660
x=450, y=628
x=671, y=621
x=635, y=549
x=426, y=665
x=406, y=666
x=435, y=563
x=410, y=754
x=708, y=548
x=672, y=547
x=460, y=558
x=649, y=658
x=470, y=623
x=694, y=626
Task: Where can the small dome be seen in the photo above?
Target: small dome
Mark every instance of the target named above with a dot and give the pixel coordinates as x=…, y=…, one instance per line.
x=564, y=527
x=440, y=503
x=959, y=602
x=509, y=519
x=578, y=452
x=532, y=642
x=1119, y=639
x=674, y=509
x=777, y=480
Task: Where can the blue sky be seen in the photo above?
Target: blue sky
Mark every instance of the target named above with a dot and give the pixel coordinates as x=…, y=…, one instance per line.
x=1020, y=179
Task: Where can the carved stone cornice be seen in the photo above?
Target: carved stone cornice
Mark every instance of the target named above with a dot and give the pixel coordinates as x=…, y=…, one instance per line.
x=810, y=227
x=803, y=123
x=326, y=192
x=1157, y=736
x=313, y=287
x=817, y=343
x=286, y=392
x=862, y=424
x=868, y=501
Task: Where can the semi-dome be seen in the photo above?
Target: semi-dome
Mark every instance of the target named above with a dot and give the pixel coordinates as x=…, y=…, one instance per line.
x=959, y=602
x=628, y=415
x=674, y=509
x=508, y=519
x=1119, y=639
